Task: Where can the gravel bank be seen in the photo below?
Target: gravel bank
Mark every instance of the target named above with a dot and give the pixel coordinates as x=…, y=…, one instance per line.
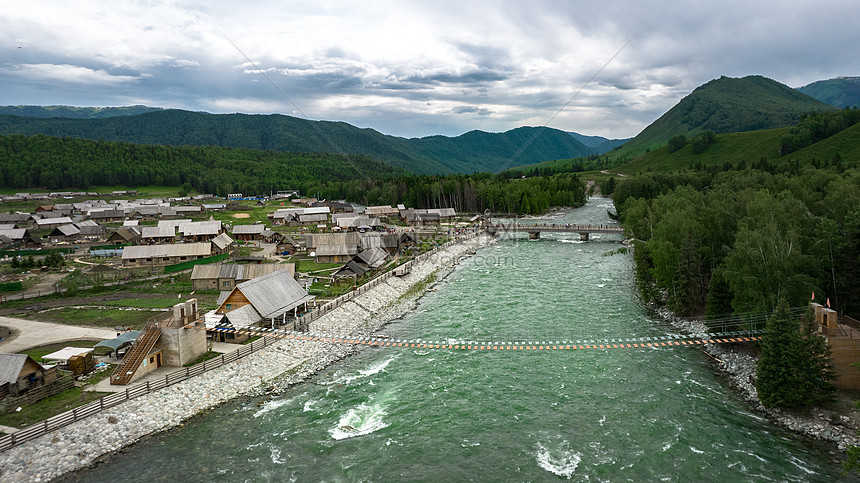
x=280, y=365
x=742, y=372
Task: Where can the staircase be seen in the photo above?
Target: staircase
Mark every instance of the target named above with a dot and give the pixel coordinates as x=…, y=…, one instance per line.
x=139, y=350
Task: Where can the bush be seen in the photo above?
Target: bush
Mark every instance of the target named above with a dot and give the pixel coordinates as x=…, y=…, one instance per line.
x=677, y=142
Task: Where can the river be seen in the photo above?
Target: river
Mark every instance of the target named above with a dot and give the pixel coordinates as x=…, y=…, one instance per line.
x=392, y=414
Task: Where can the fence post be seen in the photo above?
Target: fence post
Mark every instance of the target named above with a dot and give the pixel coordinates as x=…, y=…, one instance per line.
x=74, y=414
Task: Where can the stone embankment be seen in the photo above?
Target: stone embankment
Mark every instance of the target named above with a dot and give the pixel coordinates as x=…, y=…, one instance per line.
x=741, y=370
x=280, y=365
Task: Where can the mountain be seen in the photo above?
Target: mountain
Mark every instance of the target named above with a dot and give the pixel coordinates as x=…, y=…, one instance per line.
x=599, y=144
x=727, y=105
x=475, y=151
x=839, y=92
x=75, y=112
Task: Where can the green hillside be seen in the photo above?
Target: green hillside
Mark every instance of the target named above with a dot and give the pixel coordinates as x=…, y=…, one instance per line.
x=475, y=151
x=839, y=92
x=75, y=112
x=726, y=105
x=748, y=148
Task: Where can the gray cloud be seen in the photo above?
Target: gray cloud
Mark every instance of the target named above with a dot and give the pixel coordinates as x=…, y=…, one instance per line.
x=419, y=69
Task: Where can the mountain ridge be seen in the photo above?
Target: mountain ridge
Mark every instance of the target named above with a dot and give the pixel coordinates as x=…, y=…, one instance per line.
x=474, y=151
x=839, y=92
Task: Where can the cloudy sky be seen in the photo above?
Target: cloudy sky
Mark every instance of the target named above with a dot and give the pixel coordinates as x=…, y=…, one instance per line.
x=417, y=68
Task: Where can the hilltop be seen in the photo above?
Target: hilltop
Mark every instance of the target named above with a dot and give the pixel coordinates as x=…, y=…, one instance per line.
x=839, y=92
x=475, y=151
x=726, y=105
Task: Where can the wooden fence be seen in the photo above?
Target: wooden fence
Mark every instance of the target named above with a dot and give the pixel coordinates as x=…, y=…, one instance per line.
x=64, y=419
x=62, y=384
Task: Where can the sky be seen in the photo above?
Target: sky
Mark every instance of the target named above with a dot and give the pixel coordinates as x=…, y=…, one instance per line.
x=415, y=69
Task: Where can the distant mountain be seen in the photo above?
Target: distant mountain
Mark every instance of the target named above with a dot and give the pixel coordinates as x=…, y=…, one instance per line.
x=599, y=144
x=475, y=151
x=727, y=105
x=839, y=92
x=75, y=112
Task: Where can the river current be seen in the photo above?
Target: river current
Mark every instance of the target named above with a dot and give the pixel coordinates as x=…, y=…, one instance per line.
x=394, y=414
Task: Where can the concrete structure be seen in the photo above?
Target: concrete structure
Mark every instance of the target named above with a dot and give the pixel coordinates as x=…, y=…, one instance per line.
x=179, y=343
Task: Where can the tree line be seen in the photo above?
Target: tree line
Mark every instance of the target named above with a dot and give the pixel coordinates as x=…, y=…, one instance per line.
x=55, y=163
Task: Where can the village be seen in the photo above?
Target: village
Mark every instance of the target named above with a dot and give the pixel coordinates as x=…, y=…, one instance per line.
x=100, y=292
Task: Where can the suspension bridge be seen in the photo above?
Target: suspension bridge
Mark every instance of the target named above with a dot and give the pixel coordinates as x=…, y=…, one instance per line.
x=732, y=329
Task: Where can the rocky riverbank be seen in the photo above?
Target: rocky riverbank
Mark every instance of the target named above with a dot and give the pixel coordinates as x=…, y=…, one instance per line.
x=840, y=430
x=284, y=363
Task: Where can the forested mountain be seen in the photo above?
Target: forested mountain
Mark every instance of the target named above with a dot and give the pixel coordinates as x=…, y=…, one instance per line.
x=75, y=112
x=49, y=162
x=54, y=163
x=475, y=151
x=599, y=144
x=839, y=92
x=727, y=105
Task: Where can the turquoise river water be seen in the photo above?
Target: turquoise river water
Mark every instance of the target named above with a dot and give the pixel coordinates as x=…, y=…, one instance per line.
x=394, y=414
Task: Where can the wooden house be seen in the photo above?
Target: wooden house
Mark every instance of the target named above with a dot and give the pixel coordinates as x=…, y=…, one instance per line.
x=267, y=301
x=222, y=244
x=381, y=211
x=248, y=232
x=198, y=231
x=68, y=232
x=156, y=235
x=106, y=216
x=19, y=373
x=335, y=253
x=125, y=235
x=218, y=276
x=271, y=236
x=160, y=255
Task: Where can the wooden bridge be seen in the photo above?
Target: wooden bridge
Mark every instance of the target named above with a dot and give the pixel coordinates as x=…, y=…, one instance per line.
x=535, y=230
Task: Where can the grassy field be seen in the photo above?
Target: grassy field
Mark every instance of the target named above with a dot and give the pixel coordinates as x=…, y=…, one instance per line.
x=135, y=319
x=49, y=407
x=306, y=265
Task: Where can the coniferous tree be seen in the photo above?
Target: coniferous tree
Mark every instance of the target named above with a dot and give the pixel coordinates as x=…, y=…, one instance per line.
x=719, y=301
x=688, y=289
x=794, y=368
